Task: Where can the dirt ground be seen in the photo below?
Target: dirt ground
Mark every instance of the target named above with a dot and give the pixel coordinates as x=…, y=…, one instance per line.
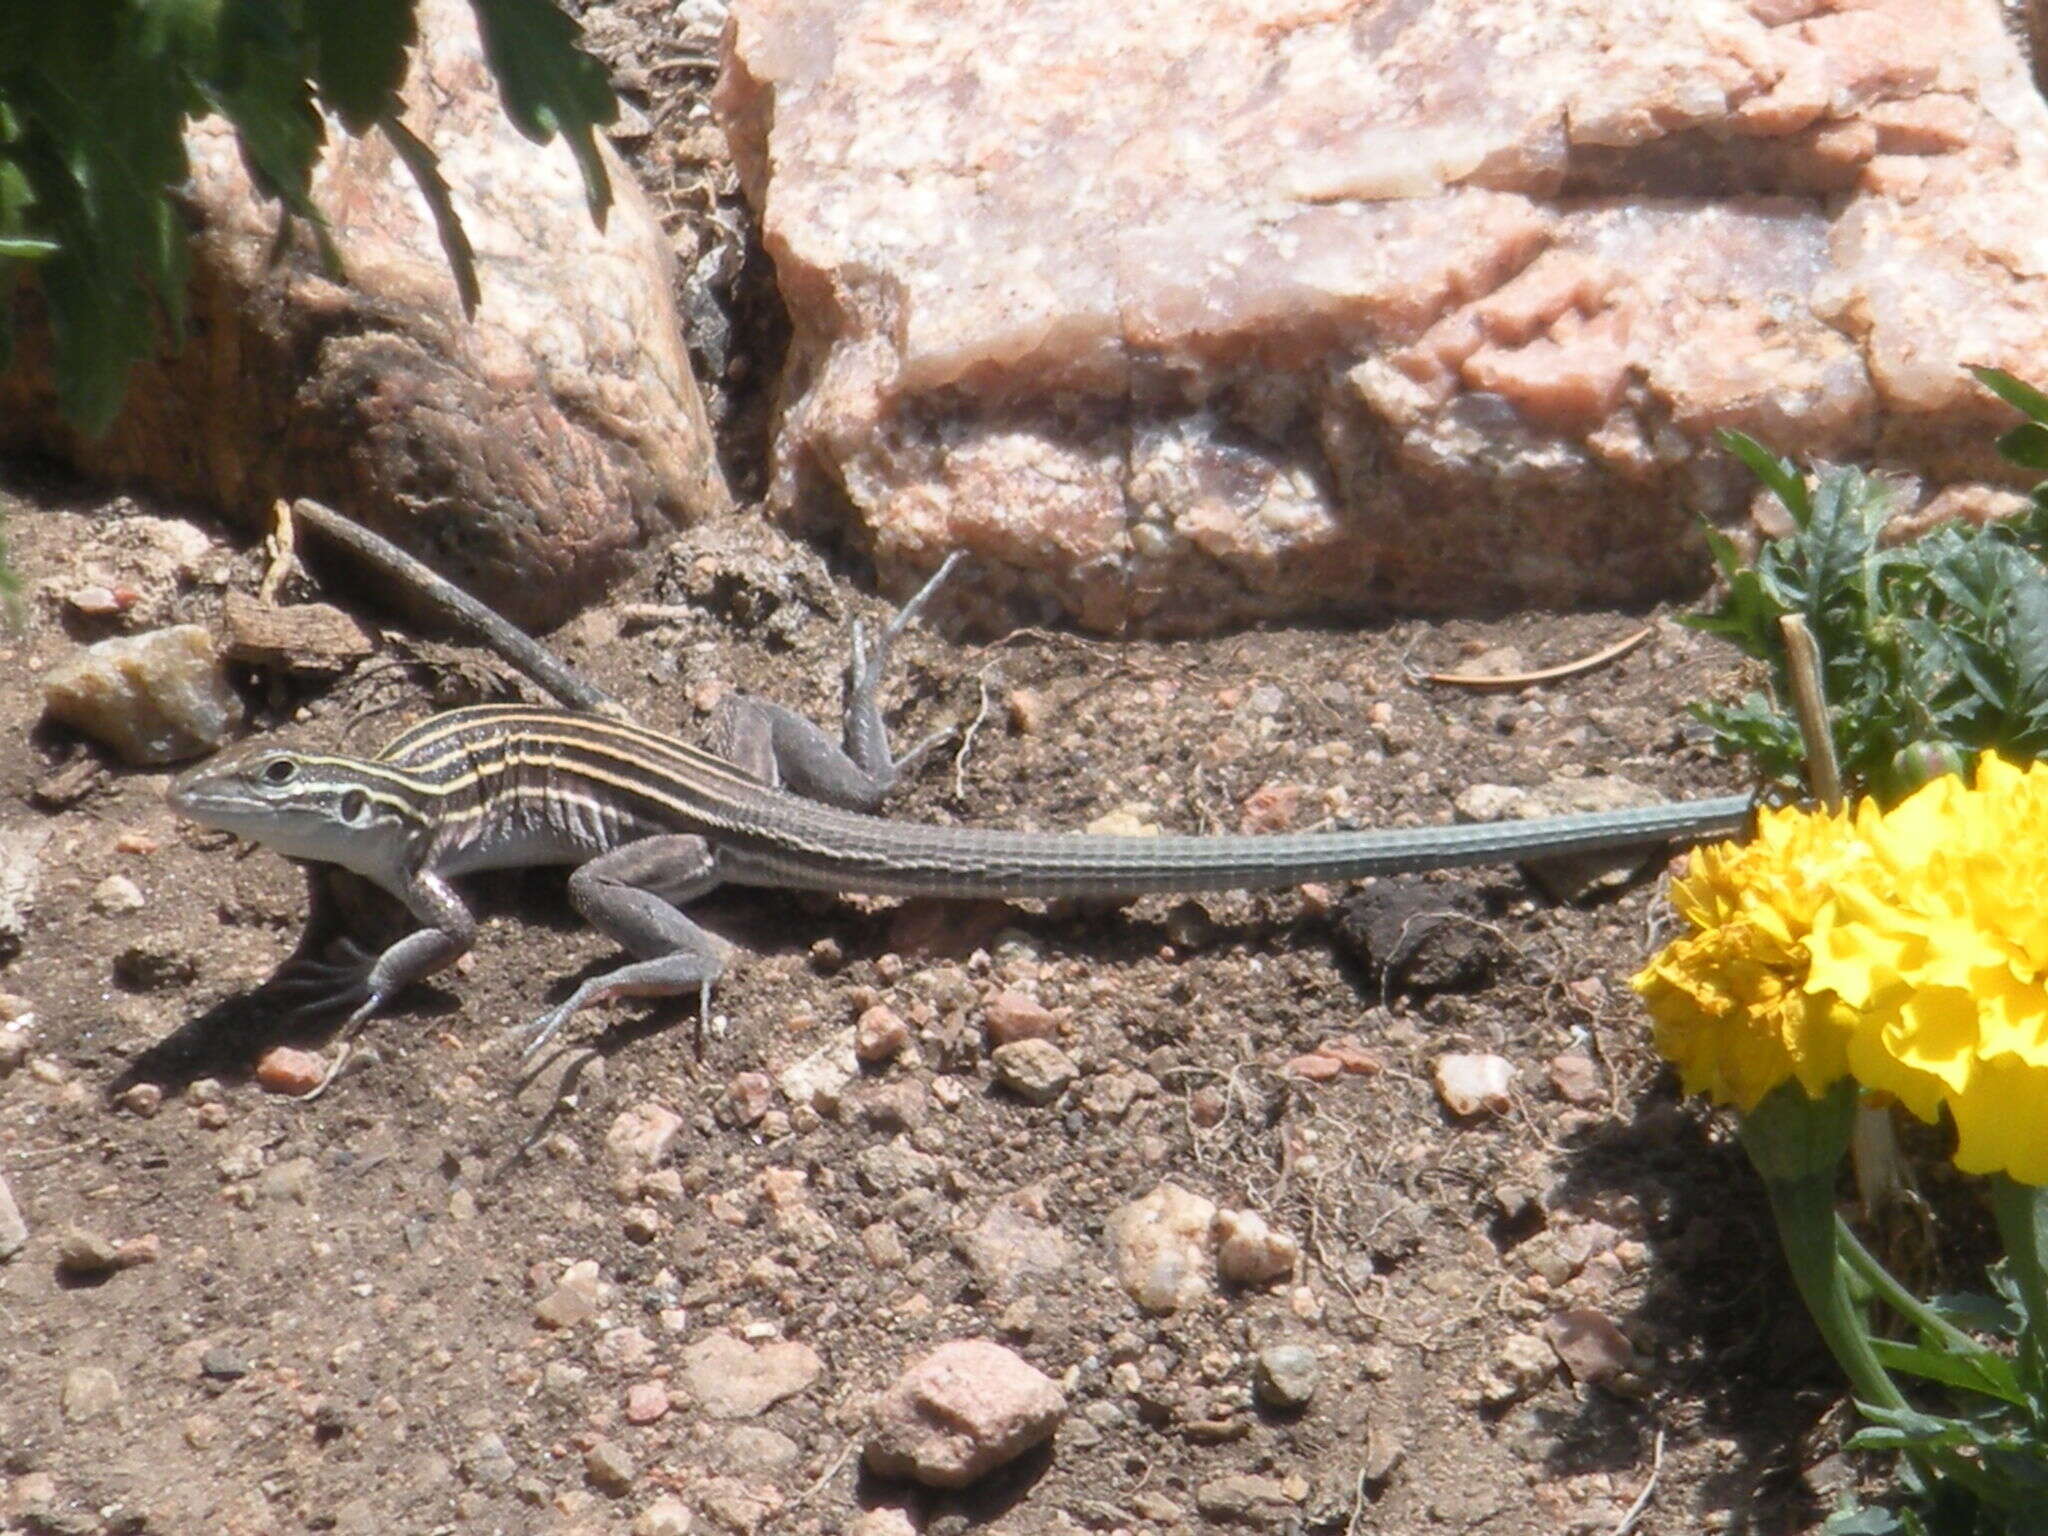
x=337, y=1329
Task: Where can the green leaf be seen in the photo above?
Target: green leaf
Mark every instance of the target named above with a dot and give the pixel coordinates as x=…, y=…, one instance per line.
x=1982, y=1372
x=2026, y=445
x=27, y=247
x=550, y=85
x=359, y=49
x=426, y=170
x=1869, y=1521
x=2024, y=398
x=1780, y=476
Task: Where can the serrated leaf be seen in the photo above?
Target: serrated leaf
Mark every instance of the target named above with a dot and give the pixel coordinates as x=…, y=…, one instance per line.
x=2024, y=398
x=1982, y=1372
x=550, y=85
x=359, y=57
x=426, y=170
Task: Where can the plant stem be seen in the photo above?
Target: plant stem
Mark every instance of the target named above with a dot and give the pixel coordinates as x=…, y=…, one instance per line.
x=1895, y=1295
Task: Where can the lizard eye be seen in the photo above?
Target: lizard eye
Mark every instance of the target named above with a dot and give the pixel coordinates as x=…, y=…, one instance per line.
x=355, y=807
x=279, y=770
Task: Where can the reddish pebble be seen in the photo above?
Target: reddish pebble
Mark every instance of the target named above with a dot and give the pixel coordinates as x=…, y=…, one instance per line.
x=1207, y=1106
x=746, y=1098
x=285, y=1070
x=880, y=1035
x=646, y=1401
x=1315, y=1066
x=1014, y=1016
x=142, y=1099
x=212, y=1117
x=1353, y=1057
x=133, y=841
x=1271, y=807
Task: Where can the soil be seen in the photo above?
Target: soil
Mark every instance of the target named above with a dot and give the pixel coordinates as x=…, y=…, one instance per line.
x=338, y=1328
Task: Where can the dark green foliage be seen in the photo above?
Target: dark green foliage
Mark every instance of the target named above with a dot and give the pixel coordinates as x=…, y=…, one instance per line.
x=1932, y=651
x=94, y=95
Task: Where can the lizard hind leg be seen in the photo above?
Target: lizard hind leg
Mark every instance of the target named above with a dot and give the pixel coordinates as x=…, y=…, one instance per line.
x=633, y=896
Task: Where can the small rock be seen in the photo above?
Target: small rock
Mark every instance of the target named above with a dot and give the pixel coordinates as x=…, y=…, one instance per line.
x=746, y=1099
x=573, y=1300
x=641, y=1138
x=1012, y=1249
x=1576, y=1077
x=666, y=1516
x=1014, y=1016
x=1589, y=1344
x=489, y=1463
x=732, y=1379
x=1037, y=1071
x=13, y=1228
x=153, y=698
x=154, y=962
x=82, y=1252
x=894, y=1168
x=1315, y=1067
x=880, y=1035
x=89, y=1392
x=115, y=895
x=21, y=871
x=1245, y=1500
x=1522, y=1365
x=961, y=1411
x=610, y=1467
x=201, y=1431
x=142, y=1100
x=894, y=1107
x=314, y=638
x=1028, y=710
x=1286, y=1376
x=819, y=1080
x=224, y=1363
x=1471, y=1084
x=640, y=1223
x=1249, y=1252
x=1163, y=1249
x=285, y=1069
x=646, y=1402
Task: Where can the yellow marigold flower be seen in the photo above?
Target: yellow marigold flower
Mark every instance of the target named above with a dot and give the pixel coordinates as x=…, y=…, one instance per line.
x=1728, y=1000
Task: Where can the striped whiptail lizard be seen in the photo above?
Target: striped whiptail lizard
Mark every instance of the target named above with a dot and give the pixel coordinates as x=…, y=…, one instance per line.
x=651, y=823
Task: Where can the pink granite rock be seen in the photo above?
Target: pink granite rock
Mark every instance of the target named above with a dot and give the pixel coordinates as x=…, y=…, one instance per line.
x=526, y=453
x=1180, y=314
x=960, y=1412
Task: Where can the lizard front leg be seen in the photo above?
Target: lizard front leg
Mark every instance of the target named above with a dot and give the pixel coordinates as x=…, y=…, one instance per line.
x=778, y=746
x=448, y=929
x=633, y=896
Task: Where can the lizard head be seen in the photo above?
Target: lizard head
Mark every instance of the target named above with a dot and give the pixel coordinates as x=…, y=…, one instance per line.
x=305, y=805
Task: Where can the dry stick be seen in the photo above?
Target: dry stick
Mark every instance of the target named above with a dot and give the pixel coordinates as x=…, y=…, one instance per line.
x=465, y=613
x=1873, y=1145
x=1509, y=680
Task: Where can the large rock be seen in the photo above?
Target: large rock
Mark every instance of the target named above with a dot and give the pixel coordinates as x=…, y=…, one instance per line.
x=525, y=453
x=1181, y=314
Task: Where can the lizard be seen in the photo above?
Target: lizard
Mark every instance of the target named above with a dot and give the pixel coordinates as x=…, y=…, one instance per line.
x=648, y=823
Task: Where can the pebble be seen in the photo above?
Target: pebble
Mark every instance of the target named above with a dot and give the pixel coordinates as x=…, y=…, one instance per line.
x=224, y=1363
x=573, y=1300
x=746, y=1099
x=89, y=1392
x=200, y=1430
x=13, y=1228
x=1315, y=1067
x=732, y=1379
x=154, y=698
x=641, y=1138
x=286, y=1069
x=1246, y=1500
x=489, y=1463
x=1286, y=1376
x=610, y=1467
x=1522, y=1365
x=819, y=1080
x=115, y=895
x=1037, y=1071
x=879, y=1036
x=1163, y=1248
x=142, y=1100
x=1589, y=1345
x=961, y=1411
x=1474, y=1084
x=1249, y=1252
x=1577, y=1079
x=84, y=1252
x=1014, y=1016
x=646, y=1402
x=666, y=1516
